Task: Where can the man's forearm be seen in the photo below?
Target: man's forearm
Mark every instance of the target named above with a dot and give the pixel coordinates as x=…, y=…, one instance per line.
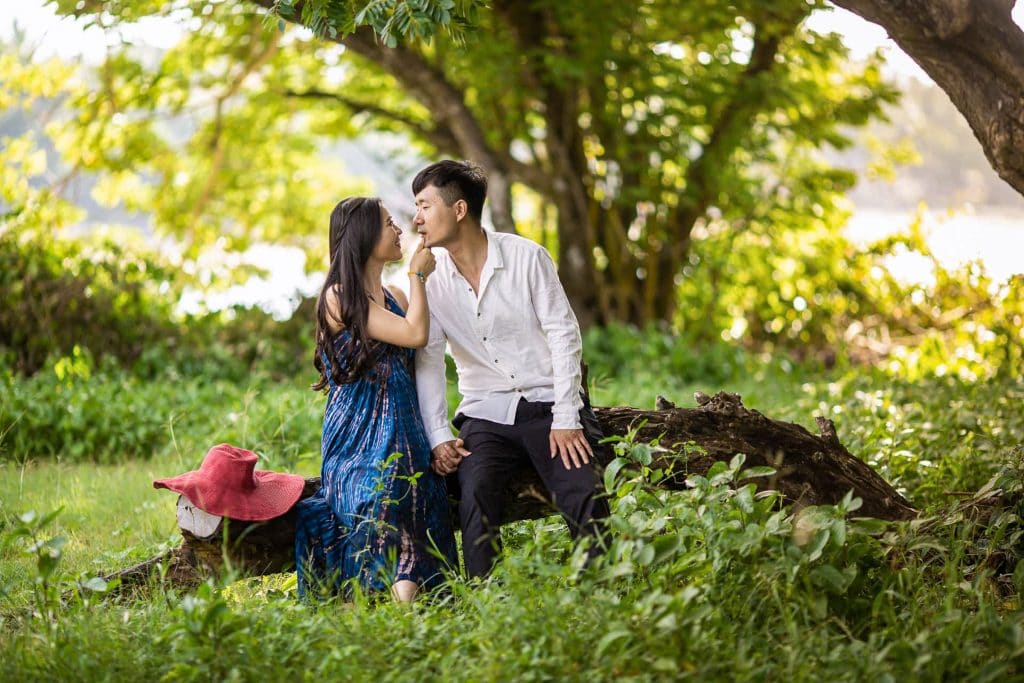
x=431, y=389
x=567, y=385
x=565, y=344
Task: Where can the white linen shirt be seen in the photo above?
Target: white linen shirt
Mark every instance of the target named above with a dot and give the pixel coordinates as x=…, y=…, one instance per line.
x=517, y=339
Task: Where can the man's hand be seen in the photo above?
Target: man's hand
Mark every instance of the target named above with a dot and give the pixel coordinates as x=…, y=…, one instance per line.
x=572, y=446
x=446, y=456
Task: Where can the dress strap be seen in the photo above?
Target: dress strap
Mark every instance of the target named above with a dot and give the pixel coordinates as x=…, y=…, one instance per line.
x=393, y=302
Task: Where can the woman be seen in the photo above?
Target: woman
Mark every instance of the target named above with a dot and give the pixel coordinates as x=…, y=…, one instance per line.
x=381, y=516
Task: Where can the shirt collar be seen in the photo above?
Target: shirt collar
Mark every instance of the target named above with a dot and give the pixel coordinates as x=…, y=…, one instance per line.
x=495, y=258
x=494, y=254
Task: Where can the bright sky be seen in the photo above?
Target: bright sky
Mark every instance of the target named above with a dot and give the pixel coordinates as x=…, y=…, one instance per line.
x=64, y=37
x=862, y=38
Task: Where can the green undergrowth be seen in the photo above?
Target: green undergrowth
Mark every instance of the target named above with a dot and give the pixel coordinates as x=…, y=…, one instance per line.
x=79, y=412
x=932, y=438
x=712, y=583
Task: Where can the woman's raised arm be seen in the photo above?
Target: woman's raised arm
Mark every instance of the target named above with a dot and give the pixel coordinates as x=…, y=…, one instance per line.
x=410, y=331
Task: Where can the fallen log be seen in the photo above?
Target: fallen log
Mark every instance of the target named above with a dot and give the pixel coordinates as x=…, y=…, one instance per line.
x=810, y=470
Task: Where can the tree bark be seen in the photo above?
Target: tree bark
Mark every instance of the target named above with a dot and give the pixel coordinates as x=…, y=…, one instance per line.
x=810, y=470
x=974, y=51
x=563, y=173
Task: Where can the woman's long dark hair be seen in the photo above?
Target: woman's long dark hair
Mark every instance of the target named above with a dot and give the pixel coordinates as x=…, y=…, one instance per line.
x=355, y=231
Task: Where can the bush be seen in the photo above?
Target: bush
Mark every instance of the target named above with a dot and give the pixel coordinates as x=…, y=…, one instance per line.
x=62, y=293
x=80, y=410
x=815, y=295
x=653, y=357
x=118, y=302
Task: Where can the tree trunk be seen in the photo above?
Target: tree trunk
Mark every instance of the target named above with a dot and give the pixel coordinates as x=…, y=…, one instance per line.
x=499, y=191
x=810, y=470
x=974, y=51
x=575, y=261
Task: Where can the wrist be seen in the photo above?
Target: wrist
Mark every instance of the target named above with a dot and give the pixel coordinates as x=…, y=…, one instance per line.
x=419, y=275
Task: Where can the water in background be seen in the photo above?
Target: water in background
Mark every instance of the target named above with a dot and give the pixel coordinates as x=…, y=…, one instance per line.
x=993, y=237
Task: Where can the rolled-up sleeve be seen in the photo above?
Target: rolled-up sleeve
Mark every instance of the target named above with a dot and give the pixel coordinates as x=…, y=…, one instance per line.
x=562, y=331
x=430, y=386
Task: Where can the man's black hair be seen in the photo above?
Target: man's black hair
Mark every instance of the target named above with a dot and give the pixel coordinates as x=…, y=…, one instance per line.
x=455, y=180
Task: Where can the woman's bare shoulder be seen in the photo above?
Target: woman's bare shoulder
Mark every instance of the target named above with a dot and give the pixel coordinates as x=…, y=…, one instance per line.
x=332, y=299
x=399, y=295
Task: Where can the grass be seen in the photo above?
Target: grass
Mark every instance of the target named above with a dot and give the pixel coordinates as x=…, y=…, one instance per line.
x=712, y=583
x=111, y=516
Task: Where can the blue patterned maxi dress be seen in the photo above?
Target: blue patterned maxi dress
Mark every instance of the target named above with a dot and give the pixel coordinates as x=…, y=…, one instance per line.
x=381, y=514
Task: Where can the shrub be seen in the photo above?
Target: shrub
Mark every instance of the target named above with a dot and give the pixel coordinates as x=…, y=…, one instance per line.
x=116, y=301
x=78, y=409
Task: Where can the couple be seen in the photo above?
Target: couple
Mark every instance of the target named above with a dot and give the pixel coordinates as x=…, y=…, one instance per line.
x=381, y=517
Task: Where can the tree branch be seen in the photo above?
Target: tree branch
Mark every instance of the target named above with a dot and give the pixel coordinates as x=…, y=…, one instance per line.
x=257, y=60
x=974, y=51
x=438, y=137
x=734, y=115
x=699, y=187
x=529, y=175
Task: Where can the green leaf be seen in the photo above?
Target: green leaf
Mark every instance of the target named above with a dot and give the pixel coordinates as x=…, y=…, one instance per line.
x=849, y=503
x=646, y=555
x=838, y=530
x=717, y=468
x=829, y=578
x=665, y=547
x=869, y=526
x=28, y=517
x=611, y=638
x=744, y=498
x=49, y=517
x=612, y=471
x=818, y=542
x=95, y=584
x=641, y=453
x=760, y=471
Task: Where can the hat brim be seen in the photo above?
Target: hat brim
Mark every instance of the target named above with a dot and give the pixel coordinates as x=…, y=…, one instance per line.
x=273, y=494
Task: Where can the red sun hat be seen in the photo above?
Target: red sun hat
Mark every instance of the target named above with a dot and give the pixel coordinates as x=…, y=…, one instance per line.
x=228, y=484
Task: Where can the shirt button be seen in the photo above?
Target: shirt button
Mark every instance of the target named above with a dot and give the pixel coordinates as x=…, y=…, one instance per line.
x=495, y=360
x=513, y=377
x=485, y=338
x=478, y=314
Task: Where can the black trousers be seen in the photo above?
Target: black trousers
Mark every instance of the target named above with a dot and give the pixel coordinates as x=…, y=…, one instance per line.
x=497, y=452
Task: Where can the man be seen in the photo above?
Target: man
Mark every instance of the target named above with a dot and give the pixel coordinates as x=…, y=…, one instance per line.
x=495, y=298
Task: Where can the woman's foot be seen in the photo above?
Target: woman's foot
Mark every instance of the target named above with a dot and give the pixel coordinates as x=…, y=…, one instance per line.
x=404, y=591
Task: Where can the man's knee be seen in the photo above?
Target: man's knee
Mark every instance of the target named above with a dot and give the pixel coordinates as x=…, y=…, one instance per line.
x=582, y=482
